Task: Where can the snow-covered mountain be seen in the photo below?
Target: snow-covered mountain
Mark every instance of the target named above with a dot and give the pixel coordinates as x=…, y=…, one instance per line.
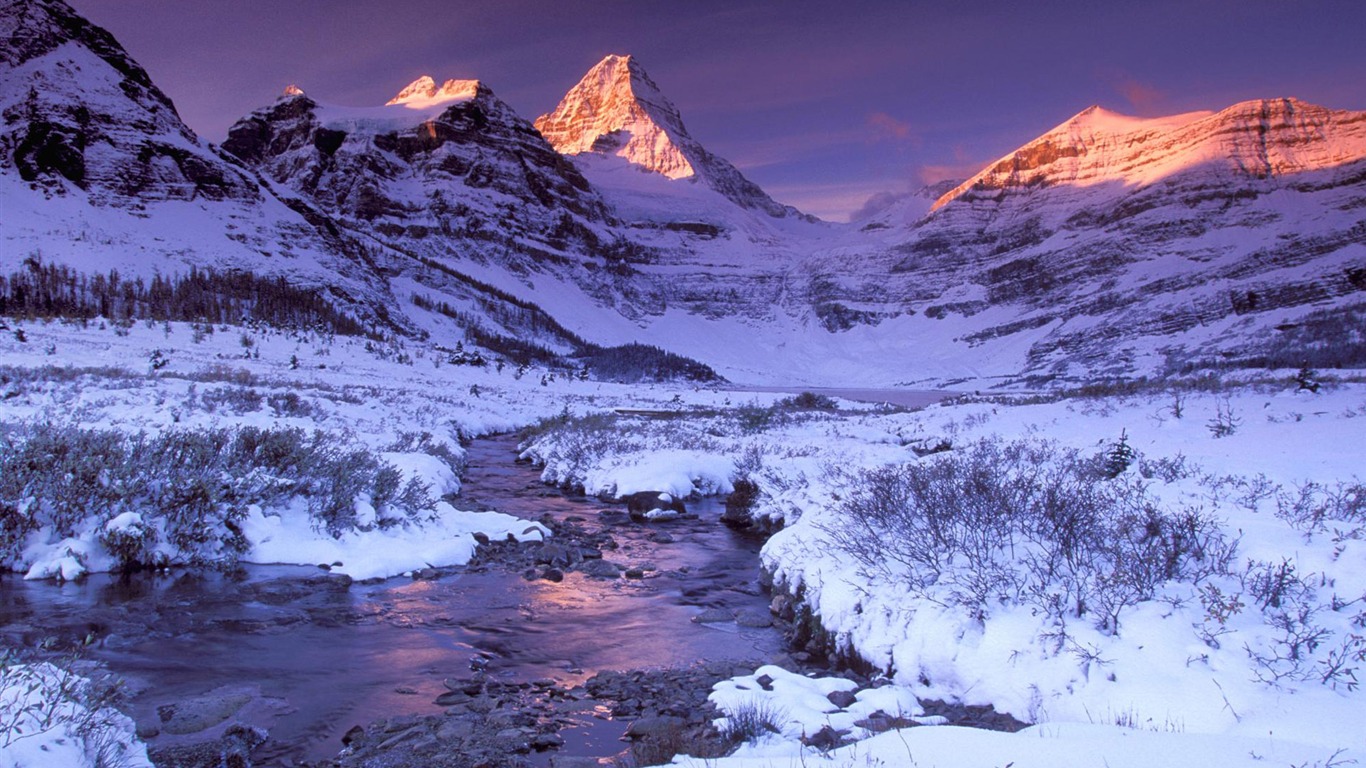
x=451, y=175
x=1112, y=239
x=98, y=173
x=468, y=191
x=1109, y=244
x=617, y=110
x=1099, y=149
x=454, y=158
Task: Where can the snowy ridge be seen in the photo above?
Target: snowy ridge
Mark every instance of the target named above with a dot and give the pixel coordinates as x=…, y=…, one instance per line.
x=1111, y=243
x=424, y=92
x=1253, y=139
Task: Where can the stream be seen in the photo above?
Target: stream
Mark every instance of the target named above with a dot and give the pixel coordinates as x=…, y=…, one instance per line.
x=307, y=656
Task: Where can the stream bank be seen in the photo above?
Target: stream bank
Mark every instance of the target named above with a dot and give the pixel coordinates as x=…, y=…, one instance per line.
x=280, y=663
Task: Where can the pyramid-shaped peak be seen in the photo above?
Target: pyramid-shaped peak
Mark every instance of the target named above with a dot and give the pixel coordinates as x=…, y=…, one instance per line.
x=616, y=106
x=616, y=109
x=616, y=67
x=424, y=91
x=291, y=91
x=625, y=73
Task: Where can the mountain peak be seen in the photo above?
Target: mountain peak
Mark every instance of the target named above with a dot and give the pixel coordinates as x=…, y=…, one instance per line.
x=291, y=91
x=423, y=92
x=617, y=109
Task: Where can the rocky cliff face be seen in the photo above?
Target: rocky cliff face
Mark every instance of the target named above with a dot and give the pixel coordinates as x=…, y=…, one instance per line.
x=79, y=113
x=617, y=110
x=453, y=178
x=1103, y=152
x=426, y=151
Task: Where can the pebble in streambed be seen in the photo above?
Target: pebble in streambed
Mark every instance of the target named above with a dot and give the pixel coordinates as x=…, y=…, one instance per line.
x=502, y=725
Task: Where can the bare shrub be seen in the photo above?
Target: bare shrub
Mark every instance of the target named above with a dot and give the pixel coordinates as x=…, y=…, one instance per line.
x=1224, y=422
x=1167, y=469
x=190, y=489
x=51, y=694
x=235, y=399
x=808, y=401
x=1312, y=506
x=752, y=720
x=289, y=404
x=425, y=442
x=1022, y=522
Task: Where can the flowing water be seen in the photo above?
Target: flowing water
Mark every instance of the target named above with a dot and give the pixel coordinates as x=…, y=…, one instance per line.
x=314, y=658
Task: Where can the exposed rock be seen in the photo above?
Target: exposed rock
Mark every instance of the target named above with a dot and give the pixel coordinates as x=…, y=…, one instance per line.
x=640, y=505
x=753, y=619
x=232, y=750
x=825, y=739
x=201, y=712
x=842, y=699
x=713, y=616
x=647, y=727
x=616, y=109
x=600, y=569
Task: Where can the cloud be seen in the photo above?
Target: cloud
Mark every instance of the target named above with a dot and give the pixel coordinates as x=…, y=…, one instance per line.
x=962, y=167
x=886, y=127
x=877, y=203
x=1144, y=98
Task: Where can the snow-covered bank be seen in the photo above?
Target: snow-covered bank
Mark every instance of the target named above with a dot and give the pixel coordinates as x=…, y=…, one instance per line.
x=296, y=448
x=1267, y=641
x=52, y=716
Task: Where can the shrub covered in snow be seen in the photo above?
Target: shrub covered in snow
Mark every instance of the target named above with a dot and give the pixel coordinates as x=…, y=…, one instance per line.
x=50, y=715
x=182, y=495
x=1022, y=522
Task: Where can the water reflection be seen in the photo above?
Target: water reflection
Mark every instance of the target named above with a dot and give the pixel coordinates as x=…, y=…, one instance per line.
x=317, y=658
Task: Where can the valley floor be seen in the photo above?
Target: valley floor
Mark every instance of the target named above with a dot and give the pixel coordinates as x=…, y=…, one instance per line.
x=1175, y=576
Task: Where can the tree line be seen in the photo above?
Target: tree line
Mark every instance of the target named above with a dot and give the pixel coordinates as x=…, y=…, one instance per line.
x=50, y=291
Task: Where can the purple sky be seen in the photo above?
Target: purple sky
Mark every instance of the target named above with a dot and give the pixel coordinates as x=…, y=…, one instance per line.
x=824, y=104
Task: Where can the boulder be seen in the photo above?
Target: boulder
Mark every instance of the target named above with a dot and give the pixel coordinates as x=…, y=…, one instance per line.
x=753, y=619
x=201, y=712
x=842, y=699
x=600, y=569
x=646, y=505
x=655, y=727
x=713, y=616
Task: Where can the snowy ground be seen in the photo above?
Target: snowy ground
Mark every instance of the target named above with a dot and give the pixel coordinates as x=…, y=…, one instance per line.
x=1204, y=671
x=52, y=716
x=1257, y=662
x=401, y=405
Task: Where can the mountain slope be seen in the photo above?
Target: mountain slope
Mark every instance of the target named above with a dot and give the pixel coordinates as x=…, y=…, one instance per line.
x=617, y=110
x=1108, y=245
x=1113, y=243
x=1252, y=140
x=98, y=173
x=455, y=180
